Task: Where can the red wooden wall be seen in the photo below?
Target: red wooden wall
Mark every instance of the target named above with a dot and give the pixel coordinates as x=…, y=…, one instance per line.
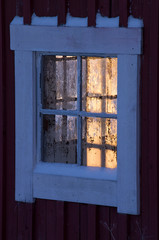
x=53, y=220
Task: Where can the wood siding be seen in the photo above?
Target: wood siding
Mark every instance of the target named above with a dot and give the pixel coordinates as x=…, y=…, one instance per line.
x=47, y=220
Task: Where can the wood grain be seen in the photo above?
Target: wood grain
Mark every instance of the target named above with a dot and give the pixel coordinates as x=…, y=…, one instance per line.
x=78, y=8
x=27, y=11
x=1, y=121
x=104, y=7
x=114, y=8
x=45, y=7
x=123, y=13
x=91, y=12
x=62, y=11
x=137, y=8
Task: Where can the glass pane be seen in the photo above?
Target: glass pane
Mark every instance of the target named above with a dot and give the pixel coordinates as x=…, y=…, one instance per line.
x=59, y=139
x=99, y=79
x=99, y=142
x=59, y=80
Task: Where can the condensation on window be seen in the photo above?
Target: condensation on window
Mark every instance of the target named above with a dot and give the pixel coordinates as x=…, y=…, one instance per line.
x=99, y=84
x=99, y=144
x=59, y=142
x=99, y=95
x=59, y=82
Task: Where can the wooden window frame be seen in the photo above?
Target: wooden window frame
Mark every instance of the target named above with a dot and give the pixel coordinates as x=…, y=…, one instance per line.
x=35, y=179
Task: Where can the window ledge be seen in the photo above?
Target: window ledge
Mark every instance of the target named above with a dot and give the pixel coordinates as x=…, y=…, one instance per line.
x=76, y=171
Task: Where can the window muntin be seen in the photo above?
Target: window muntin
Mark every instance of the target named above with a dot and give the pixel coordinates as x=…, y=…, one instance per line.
x=78, y=106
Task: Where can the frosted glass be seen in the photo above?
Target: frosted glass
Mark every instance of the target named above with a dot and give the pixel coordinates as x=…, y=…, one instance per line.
x=59, y=82
x=99, y=95
x=99, y=84
x=99, y=142
x=59, y=139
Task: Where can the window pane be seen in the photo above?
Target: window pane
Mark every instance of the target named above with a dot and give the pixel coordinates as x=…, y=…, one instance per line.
x=59, y=139
x=59, y=74
x=99, y=79
x=99, y=142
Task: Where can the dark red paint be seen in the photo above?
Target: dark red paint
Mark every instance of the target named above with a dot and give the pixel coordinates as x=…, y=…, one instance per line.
x=91, y=12
x=123, y=13
x=61, y=11
x=1, y=120
x=78, y=8
x=57, y=220
x=137, y=8
x=45, y=7
x=27, y=11
x=104, y=7
x=114, y=8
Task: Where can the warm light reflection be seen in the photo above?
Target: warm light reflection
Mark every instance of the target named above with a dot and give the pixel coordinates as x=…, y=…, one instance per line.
x=94, y=105
x=111, y=159
x=101, y=95
x=111, y=85
x=94, y=130
x=93, y=157
x=111, y=132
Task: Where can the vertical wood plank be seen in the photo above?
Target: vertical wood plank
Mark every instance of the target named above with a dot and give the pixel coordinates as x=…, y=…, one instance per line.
x=83, y=222
x=91, y=13
x=103, y=223
x=104, y=7
x=19, y=8
x=150, y=165
x=25, y=221
x=78, y=8
x=114, y=225
x=62, y=11
x=60, y=220
x=45, y=7
x=27, y=11
x=123, y=13
x=51, y=220
x=91, y=222
x=122, y=227
x=137, y=8
x=145, y=142
x=72, y=221
x=115, y=8
x=40, y=7
x=52, y=9
x=40, y=220
x=1, y=122
x=135, y=227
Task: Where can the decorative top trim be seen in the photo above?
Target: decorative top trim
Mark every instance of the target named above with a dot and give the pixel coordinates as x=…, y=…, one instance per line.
x=76, y=39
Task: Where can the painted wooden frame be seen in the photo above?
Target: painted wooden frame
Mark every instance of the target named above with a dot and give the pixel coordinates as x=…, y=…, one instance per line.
x=35, y=179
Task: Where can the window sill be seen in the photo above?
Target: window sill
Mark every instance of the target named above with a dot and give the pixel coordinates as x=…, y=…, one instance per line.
x=75, y=183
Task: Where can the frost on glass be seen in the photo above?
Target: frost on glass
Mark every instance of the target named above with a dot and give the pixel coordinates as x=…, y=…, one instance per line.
x=59, y=139
x=99, y=95
x=99, y=79
x=59, y=82
x=99, y=142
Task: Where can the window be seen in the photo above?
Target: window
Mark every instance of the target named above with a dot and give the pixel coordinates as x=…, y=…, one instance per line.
x=77, y=113
x=77, y=110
